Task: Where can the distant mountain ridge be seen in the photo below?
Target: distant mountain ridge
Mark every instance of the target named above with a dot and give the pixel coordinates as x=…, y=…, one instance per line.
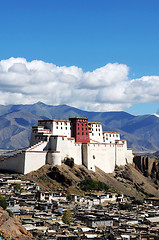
x=16, y=122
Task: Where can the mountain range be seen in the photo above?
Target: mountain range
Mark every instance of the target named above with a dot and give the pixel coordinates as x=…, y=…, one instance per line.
x=16, y=122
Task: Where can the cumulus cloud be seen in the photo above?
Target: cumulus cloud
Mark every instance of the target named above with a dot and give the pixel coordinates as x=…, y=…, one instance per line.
x=104, y=89
x=105, y=76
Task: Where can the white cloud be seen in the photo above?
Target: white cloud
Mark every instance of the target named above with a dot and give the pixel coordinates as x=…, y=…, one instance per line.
x=104, y=89
x=105, y=76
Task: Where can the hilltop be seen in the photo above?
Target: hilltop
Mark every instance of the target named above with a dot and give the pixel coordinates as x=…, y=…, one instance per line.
x=16, y=122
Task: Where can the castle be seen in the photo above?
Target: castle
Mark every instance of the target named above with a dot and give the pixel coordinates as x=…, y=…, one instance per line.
x=54, y=140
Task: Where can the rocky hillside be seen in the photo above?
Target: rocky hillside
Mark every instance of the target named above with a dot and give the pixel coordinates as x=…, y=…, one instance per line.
x=10, y=228
x=16, y=121
x=148, y=166
x=127, y=180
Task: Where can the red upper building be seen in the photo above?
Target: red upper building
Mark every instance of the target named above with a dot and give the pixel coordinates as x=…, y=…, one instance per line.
x=79, y=129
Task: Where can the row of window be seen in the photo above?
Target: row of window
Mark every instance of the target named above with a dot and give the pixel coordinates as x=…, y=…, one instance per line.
x=104, y=145
x=111, y=135
x=96, y=134
x=82, y=129
x=93, y=125
x=83, y=124
x=83, y=133
x=60, y=123
x=61, y=127
x=96, y=129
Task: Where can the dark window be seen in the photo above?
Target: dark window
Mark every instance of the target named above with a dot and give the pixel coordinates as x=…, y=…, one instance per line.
x=82, y=133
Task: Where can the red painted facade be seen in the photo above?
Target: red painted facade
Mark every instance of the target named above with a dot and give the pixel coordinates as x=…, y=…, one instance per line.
x=80, y=130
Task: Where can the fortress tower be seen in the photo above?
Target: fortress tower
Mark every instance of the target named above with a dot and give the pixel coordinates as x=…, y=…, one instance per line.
x=80, y=129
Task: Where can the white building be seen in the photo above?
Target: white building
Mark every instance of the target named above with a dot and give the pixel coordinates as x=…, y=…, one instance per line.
x=53, y=140
x=95, y=132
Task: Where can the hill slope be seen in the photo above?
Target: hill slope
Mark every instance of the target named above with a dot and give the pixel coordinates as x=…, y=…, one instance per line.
x=16, y=121
x=11, y=228
x=127, y=180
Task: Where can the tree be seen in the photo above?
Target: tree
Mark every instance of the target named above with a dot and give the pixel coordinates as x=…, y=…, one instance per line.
x=3, y=202
x=67, y=217
x=68, y=196
x=126, y=206
x=18, y=187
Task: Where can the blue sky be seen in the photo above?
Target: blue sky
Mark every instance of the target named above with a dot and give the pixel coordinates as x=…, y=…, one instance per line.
x=88, y=34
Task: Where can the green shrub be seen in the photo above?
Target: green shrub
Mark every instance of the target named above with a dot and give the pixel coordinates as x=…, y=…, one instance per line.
x=68, y=196
x=126, y=206
x=90, y=184
x=18, y=187
x=3, y=202
x=67, y=217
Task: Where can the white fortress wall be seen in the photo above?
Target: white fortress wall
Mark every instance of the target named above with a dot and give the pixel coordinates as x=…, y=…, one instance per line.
x=77, y=153
x=53, y=158
x=129, y=155
x=34, y=160
x=14, y=163
x=67, y=148
x=70, y=148
x=100, y=155
x=73, y=150
x=120, y=154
